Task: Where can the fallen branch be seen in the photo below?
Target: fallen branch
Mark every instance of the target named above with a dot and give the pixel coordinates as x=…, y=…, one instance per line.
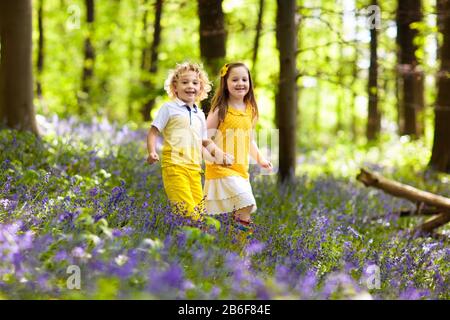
x=433, y=223
x=407, y=213
x=403, y=190
x=412, y=213
x=436, y=205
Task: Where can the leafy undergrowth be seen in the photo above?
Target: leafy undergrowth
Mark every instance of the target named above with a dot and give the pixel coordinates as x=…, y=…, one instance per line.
x=82, y=199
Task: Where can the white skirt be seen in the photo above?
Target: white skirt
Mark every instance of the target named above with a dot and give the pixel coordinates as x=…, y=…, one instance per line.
x=228, y=194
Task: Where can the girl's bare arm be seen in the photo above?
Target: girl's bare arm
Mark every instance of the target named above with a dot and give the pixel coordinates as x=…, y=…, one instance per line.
x=256, y=154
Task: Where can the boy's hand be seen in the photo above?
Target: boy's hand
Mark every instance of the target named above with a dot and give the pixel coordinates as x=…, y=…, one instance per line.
x=152, y=158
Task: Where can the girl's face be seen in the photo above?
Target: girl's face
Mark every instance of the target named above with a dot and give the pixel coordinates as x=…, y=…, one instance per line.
x=187, y=87
x=238, y=82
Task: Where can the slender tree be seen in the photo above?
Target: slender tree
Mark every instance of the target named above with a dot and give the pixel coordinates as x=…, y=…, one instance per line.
x=374, y=119
x=318, y=105
x=145, y=59
x=286, y=106
x=89, y=57
x=150, y=59
x=341, y=92
x=410, y=76
x=440, y=6
x=440, y=156
x=16, y=70
x=257, y=37
x=40, y=52
x=355, y=72
x=355, y=77
x=132, y=61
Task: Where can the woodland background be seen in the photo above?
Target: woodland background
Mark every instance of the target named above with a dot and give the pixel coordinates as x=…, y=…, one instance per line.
x=349, y=68
x=347, y=84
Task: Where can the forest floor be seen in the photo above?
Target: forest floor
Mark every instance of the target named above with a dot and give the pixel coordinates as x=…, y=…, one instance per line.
x=83, y=198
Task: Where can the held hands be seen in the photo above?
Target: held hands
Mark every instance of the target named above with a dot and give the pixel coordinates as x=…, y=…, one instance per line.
x=152, y=158
x=224, y=159
x=228, y=159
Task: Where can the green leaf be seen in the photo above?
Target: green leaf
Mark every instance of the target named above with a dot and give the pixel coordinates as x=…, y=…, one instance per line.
x=30, y=177
x=84, y=218
x=210, y=221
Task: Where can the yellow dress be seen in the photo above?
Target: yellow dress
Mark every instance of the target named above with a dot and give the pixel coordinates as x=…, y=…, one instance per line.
x=227, y=188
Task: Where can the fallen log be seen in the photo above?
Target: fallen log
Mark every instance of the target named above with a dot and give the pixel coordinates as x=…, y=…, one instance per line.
x=438, y=205
x=403, y=190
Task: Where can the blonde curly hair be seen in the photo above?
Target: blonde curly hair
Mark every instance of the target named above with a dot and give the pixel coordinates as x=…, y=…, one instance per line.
x=174, y=74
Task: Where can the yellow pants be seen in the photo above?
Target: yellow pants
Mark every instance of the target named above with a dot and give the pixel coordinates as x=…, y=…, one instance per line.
x=184, y=190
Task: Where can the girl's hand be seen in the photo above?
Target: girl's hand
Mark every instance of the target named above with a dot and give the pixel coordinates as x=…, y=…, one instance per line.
x=152, y=158
x=265, y=164
x=228, y=159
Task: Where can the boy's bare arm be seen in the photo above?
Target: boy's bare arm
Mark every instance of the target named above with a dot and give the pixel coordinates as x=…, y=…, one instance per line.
x=209, y=158
x=219, y=157
x=151, y=145
x=212, y=123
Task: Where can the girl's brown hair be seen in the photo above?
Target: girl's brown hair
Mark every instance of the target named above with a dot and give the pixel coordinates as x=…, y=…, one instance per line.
x=220, y=99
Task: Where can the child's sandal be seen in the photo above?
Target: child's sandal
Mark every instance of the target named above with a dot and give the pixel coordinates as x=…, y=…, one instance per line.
x=245, y=226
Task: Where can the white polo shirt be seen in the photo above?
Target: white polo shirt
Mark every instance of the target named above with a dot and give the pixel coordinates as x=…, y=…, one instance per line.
x=183, y=129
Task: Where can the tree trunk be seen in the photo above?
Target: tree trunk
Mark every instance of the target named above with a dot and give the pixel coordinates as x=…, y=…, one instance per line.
x=355, y=72
x=212, y=39
x=440, y=8
x=440, y=156
x=257, y=36
x=16, y=69
x=40, y=53
x=286, y=108
x=410, y=75
x=153, y=60
x=212, y=33
x=340, y=91
x=89, y=58
x=317, y=107
x=145, y=58
x=132, y=61
x=374, y=119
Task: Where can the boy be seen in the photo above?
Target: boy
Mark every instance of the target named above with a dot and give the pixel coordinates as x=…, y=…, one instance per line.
x=183, y=126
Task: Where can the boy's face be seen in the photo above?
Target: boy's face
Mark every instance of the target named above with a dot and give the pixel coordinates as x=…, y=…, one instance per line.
x=187, y=87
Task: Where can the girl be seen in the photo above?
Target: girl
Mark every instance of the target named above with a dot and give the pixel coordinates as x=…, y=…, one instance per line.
x=234, y=113
x=183, y=126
